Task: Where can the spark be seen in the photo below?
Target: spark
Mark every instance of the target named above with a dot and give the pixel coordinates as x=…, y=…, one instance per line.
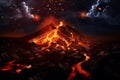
x=100, y=9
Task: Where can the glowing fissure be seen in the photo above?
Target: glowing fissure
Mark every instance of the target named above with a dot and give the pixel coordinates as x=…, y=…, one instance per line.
x=78, y=68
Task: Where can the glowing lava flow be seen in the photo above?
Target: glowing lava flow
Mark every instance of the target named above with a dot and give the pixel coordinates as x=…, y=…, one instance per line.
x=65, y=38
x=78, y=68
x=58, y=37
x=50, y=37
x=53, y=36
x=14, y=66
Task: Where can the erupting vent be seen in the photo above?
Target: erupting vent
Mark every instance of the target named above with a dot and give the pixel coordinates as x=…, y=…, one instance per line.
x=59, y=37
x=53, y=39
x=63, y=39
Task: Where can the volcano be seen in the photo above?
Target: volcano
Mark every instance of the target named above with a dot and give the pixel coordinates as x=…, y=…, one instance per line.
x=57, y=51
x=53, y=45
x=59, y=37
x=63, y=39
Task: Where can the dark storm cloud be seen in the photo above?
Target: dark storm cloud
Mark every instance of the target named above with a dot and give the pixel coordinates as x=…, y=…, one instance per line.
x=15, y=18
x=109, y=16
x=12, y=9
x=6, y=2
x=97, y=22
x=99, y=11
x=105, y=9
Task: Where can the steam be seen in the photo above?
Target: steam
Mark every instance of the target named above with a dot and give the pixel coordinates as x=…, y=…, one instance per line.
x=93, y=11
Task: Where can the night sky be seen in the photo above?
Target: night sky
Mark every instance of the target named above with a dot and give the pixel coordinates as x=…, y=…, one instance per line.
x=101, y=16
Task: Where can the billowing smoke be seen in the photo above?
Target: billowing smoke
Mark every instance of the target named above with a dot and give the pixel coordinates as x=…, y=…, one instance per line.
x=18, y=9
x=26, y=10
x=23, y=11
x=99, y=9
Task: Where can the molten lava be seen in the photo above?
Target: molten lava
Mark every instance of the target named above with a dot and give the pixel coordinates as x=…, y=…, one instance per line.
x=54, y=38
x=78, y=68
x=14, y=66
x=60, y=37
x=63, y=38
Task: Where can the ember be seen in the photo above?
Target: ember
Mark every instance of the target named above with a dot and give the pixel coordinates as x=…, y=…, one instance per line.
x=36, y=17
x=83, y=14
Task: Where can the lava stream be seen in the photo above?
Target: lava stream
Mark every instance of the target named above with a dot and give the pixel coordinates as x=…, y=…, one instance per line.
x=59, y=36
x=15, y=66
x=78, y=68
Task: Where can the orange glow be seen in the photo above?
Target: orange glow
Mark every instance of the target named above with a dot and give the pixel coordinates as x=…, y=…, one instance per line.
x=36, y=17
x=28, y=66
x=100, y=9
x=50, y=37
x=83, y=14
x=62, y=37
x=78, y=68
x=86, y=57
x=18, y=71
x=11, y=66
x=61, y=23
x=8, y=66
x=55, y=37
